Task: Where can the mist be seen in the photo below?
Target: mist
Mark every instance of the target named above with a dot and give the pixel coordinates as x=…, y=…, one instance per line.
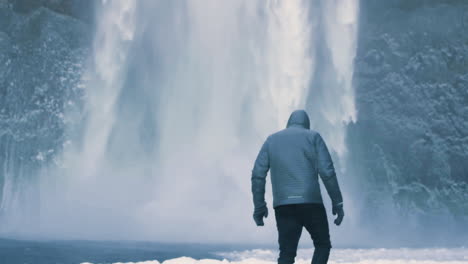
x=178, y=98
x=164, y=117
x=142, y=121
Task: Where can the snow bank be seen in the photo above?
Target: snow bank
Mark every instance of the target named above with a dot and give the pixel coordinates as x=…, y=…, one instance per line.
x=338, y=256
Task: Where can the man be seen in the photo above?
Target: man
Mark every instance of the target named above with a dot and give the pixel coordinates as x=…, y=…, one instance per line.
x=295, y=157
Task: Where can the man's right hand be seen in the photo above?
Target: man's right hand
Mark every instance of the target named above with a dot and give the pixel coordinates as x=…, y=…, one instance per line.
x=338, y=210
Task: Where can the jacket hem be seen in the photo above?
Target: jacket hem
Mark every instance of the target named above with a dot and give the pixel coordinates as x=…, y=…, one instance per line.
x=296, y=201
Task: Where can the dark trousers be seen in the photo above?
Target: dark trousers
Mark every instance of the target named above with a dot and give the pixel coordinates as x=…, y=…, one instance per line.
x=290, y=219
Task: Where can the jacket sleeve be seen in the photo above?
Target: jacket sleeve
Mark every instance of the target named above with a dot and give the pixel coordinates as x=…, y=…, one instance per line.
x=327, y=171
x=259, y=173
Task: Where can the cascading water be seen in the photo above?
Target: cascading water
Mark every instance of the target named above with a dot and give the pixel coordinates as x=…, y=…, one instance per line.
x=180, y=96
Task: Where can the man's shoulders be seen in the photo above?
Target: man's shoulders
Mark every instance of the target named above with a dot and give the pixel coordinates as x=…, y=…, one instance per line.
x=306, y=132
x=313, y=132
x=277, y=134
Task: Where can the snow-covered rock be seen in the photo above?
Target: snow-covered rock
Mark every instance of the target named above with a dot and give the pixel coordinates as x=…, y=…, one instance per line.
x=409, y=147
x=43, y=54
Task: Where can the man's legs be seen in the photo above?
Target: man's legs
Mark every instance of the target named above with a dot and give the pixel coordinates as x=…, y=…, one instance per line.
x=289, y=224
x=316, y=223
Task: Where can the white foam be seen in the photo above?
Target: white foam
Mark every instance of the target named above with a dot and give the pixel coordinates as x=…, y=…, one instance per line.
x=338, y=256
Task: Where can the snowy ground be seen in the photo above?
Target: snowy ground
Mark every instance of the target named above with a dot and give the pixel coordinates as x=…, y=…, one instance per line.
x=342, y=256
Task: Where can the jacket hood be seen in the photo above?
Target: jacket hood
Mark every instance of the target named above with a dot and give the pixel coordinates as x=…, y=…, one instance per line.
x=299, y=118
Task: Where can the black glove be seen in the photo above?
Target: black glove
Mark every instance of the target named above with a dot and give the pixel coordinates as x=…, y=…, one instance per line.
x=338, y=210
x=258, y=215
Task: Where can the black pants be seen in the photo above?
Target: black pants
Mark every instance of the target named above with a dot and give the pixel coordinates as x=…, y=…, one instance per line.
x=290, y=219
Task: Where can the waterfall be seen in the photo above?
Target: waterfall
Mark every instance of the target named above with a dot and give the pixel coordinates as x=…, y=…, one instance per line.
x=243, y=68
x=114, y=34
x=180, y=96
x=331, y=97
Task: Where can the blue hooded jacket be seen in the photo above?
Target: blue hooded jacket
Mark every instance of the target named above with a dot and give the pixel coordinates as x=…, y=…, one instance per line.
x=295, y=157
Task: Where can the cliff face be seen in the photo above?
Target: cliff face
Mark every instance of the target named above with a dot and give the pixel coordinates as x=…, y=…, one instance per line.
x=41, y=60
x=81, y=9
x=409, y=147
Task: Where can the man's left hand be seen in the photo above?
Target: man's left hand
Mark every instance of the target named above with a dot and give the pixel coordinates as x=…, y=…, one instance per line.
x=258, y=215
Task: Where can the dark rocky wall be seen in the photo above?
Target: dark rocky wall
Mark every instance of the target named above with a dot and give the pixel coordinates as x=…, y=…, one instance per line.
x=81, y=9
x=409, y=147
x=42, y=57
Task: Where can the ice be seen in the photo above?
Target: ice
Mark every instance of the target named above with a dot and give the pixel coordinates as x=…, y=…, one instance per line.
x=338, y=256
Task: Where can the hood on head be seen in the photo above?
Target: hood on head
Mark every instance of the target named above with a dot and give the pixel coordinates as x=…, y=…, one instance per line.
x=299, y=118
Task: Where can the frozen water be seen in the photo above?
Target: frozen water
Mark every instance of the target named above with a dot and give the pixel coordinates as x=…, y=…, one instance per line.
x=341, y=256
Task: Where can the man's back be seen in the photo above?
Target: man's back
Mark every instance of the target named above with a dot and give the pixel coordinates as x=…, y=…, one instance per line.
x=293, y=166
x=296, y=156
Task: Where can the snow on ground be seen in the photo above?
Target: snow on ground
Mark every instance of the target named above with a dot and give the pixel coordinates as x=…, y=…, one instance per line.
x=338, y=256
